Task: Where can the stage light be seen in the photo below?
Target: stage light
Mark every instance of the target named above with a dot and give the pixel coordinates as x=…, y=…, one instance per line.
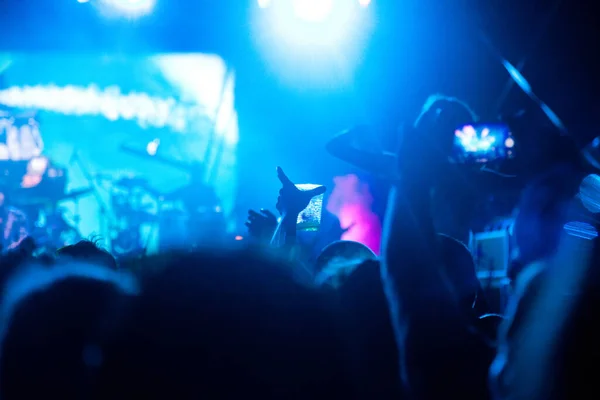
x=264, y=3
x=581, y=230
x=152, y=147
x=364, y=3
x=128, y=8
x=83, y=1
x=37, y=166
x=589, y=193
x=313, y=43
x=313, y=10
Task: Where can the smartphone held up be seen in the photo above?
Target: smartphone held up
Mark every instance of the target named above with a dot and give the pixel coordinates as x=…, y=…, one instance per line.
x=482, y=143
x=310, y=218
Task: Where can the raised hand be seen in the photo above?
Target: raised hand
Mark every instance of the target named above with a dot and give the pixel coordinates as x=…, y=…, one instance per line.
x=291, y=200
x=261, y=225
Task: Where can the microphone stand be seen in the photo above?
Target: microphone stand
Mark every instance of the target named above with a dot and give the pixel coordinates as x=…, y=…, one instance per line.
x=102, y=207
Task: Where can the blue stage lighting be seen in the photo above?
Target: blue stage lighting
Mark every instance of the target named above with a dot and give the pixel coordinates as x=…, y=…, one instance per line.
x=311, y=43
x=313, y=10
x=264, y=3
x=129, y=8
x=589, y=193
x=581, y=230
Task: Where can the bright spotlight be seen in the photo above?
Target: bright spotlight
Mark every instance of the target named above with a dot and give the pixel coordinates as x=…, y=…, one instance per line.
x=313, y=42
x=152, y=147
x=313, y=10
x=264, y=3
x=129, y=8
x=83, y=1
x=364, y=3
x=37, y=166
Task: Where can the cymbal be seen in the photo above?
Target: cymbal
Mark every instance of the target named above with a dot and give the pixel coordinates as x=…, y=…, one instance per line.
x=131, y=182
x=75, y=194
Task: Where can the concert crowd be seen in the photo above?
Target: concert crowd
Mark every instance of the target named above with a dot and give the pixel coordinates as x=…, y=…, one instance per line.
x=265, y=320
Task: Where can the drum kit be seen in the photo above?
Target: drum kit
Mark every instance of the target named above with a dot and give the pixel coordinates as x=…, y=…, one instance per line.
x=142, y=220
x=146, y=220
x=139, y=218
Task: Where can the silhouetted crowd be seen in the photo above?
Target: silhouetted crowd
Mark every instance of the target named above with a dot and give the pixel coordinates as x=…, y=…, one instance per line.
x=260, y=323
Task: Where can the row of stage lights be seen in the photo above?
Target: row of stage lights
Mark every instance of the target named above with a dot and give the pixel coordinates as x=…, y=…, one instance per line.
x=317, y=3
x=123, y=8
x=303, y=40
x=310, y=10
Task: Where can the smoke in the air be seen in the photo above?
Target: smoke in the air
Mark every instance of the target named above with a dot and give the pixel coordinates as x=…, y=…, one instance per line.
x=351, y=202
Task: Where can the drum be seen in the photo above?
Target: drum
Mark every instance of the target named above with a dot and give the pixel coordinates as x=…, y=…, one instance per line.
x=178, y=229
x=173, y=230
x=53, y=231
x=135, y=217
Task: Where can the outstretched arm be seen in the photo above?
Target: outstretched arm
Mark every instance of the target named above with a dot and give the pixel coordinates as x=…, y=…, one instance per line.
x=412, y=272
x=285, y=233
x=438, y=352
x=291, y=202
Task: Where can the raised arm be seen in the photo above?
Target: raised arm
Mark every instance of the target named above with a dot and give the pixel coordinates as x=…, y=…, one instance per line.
x=291, y=202
x=440, y=356
x=285, y=233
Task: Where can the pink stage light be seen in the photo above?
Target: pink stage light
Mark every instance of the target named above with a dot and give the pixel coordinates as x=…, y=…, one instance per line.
x=351, y=202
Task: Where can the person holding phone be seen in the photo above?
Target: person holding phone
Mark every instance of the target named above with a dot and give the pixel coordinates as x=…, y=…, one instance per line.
x=430, y=284
x=291, y=202
x=453, y=192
